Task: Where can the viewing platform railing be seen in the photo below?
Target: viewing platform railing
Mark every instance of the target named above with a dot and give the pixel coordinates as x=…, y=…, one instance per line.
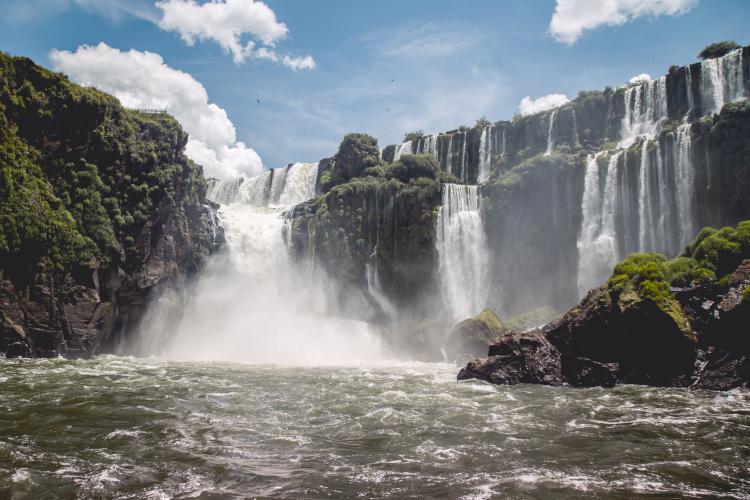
x=146, y=111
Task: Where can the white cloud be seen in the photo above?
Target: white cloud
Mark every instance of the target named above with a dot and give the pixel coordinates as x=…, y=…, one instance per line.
x=247, y=29
x=642, y=78
x=142, y=80
x=530, y=106
x=573, y=17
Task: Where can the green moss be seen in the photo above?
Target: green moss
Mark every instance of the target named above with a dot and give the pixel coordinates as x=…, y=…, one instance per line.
x=91, y=171
x=490, y=319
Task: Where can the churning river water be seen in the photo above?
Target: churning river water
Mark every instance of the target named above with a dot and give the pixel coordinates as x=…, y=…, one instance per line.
x=132, y=428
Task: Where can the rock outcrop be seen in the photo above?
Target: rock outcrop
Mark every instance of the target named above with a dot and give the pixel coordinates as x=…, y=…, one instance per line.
x=100, y=211
x=472, y=336
x=631, y=330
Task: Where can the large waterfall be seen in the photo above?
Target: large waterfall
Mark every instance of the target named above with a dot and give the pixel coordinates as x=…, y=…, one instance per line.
x=664, y=220
x=253, y=303
x=462, y=251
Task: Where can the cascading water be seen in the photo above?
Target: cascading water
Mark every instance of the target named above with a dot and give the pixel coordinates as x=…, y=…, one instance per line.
x=464, y=156
x=597, y=241
x=485, y=154
x=463, y=255
x=402, y=149
x=722, y=81
x=550, y=132
x=645, y=108
x=252, y=303
x=684, y=180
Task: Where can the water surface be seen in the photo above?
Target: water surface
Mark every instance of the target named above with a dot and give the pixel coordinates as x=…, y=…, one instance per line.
x=123, y=427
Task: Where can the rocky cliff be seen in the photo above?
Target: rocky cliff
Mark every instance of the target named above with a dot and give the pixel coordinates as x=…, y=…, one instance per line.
x=99, y=209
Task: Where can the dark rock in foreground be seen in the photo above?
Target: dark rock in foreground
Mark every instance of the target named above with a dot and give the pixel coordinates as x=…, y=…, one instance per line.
x=607, y=340
x=518, y=358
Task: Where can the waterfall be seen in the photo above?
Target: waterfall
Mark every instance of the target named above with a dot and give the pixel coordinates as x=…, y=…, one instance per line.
x=449, y=156
x=464, y=173
x=485, y=154
x=280, y=187
x=428, y=145
x=402, y=149
x=253, y=303
x=463, y=255
x=299, y=184
x=682, y=150
x=597, y=241
x=575, y=128
x=645, y=210
x=645, y=108
x=721, y=81
x=550, y=132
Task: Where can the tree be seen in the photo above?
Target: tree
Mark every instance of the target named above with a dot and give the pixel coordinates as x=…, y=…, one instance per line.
x=414, y=135
x=718, y=49
x=483, y=122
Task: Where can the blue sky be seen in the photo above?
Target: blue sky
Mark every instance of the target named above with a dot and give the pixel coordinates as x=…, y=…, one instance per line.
x=450, y=61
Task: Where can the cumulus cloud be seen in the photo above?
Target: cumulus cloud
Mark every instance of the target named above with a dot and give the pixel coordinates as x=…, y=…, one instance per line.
x=573, y=17
x=530, y=106
x=642, y=78
x=143, y=80
x=247, y=29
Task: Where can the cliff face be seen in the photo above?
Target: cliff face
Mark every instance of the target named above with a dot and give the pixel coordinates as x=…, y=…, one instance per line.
x=100, y=209
x=375, y=233
x=569, y=192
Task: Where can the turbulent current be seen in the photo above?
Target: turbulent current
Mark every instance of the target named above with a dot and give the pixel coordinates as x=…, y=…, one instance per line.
x=123, y=427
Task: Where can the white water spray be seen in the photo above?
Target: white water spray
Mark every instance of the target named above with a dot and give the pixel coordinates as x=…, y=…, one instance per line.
x=253, y=303
x=462, y=251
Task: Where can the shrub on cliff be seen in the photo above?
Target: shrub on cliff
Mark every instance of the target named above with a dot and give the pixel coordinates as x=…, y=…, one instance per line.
x=413, y=136
x=482, y=123
x=718, y=49
x=356, y=153
x=408, y=167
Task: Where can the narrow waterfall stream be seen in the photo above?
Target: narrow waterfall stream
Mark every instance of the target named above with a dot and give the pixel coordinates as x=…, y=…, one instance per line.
x=462, y=251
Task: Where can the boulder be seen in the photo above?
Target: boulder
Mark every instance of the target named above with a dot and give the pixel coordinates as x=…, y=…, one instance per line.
x=473, y=336
x=517, y=358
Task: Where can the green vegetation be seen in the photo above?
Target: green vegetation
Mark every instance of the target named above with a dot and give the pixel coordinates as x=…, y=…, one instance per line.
x=357, y=152
x=718, y=49
x=483, y=122
x=80, y=174
x=489, y=318
x=712, y=254
x=408, y=167
x=413, y=136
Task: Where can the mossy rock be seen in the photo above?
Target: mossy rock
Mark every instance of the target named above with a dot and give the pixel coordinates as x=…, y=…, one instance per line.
x=473, y=336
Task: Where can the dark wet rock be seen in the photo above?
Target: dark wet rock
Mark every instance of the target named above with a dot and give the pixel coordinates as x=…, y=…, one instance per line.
x=517, y=358
x=642, y=339
x=18, y=350
x=584, y=372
